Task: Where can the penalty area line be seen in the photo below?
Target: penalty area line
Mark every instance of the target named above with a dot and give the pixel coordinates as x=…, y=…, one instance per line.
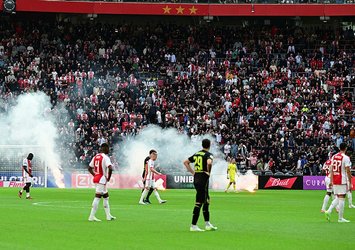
x=58, y=204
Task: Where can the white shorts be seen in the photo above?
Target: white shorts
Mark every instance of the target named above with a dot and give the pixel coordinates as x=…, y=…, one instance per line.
x=100, y=188
x=149, y=184
x=340, y=189
x=27, y=179
x=103, y=180
x=327, y=183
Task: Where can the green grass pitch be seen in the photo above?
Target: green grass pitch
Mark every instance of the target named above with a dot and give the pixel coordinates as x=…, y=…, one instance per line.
x=267, y=219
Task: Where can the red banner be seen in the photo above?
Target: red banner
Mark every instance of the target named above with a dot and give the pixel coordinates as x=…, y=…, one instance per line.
x=277, y=182
x=172, y=9
x=1, y=184
x=280, y=182
x=117, y=181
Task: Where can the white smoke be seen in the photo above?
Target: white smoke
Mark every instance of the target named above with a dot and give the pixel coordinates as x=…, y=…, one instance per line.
x=30, y=122
x=247, y=181
x=173, y=148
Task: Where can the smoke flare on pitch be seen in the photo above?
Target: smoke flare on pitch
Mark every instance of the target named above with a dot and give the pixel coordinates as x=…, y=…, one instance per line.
x=173, y=148
x=30, y=122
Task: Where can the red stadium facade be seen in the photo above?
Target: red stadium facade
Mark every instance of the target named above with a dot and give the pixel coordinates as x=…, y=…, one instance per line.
x=171, y=9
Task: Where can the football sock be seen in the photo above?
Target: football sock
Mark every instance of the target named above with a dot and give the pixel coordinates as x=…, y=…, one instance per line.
x=228, y=186
x=28, y=190
x=149, y=193
x=325, y=202
x=206, y=212
x=234, y=187
x=107, y=207
x=157, y=195
x=196, y=213
x=350, y=198
x=334, y=203
x=341, y=208
x=95, y=205
x=143, y=195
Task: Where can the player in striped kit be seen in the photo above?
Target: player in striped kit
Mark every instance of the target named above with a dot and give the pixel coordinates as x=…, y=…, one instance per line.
x=340, y=176
x=327, y=196
x=149, y=179
x=101, y=169
x=144, y=176
x=27, y=176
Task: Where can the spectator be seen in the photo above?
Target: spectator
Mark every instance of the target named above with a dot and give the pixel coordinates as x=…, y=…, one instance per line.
x=227, y=150
x=272, y=90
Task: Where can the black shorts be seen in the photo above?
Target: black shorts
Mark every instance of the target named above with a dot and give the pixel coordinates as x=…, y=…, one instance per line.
x=201, y=186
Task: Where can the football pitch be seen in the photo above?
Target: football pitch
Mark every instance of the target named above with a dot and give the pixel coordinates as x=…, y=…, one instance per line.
x=267, y=219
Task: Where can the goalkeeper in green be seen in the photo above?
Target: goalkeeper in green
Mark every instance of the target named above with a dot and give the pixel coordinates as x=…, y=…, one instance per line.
x=231, y=172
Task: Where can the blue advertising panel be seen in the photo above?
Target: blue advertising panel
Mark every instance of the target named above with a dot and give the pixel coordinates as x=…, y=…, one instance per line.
x=38, y=179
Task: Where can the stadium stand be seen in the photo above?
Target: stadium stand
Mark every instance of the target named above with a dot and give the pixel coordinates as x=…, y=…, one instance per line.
x=285, y=93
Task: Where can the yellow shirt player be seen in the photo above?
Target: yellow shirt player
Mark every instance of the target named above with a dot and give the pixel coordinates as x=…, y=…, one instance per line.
x=232, y=170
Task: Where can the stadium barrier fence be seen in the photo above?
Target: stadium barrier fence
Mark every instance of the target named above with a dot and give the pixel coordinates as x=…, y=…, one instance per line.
x=120, y=181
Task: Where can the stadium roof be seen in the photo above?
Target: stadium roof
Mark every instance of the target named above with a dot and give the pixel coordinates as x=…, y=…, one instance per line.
x=181, y=9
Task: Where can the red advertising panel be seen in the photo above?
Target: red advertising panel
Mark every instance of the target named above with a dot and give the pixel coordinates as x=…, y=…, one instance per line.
x=353, y=182
x=280, y=182
x=1, y=184
x=277, y=182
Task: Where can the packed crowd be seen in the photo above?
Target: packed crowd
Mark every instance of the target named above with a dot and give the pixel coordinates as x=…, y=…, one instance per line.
x=275, y=98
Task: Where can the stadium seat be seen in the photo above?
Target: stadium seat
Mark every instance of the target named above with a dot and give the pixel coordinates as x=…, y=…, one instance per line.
x=257, y=172
x=268, y=173
x=242, y=171
x=279, y=173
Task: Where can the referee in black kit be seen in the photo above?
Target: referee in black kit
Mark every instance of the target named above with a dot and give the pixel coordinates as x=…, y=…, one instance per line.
x=202, y=169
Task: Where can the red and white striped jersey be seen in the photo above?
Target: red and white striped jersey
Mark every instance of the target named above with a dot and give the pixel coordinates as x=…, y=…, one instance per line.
x=340, y=162
x=100, y=163
x=299, y=124
x=150, y=174
x=326, y=167
x=26, y=163
x=115, y=129
x=132, y=116
x=168, y=117
x=132, y=124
